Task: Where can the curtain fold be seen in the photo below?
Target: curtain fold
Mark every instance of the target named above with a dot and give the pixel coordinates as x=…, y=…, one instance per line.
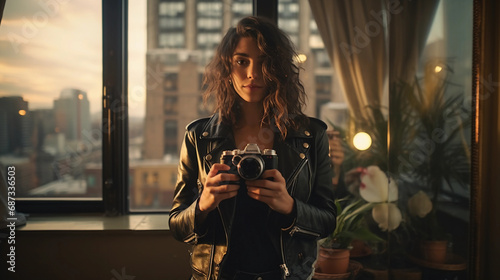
x=372, y=43
x=408, y=32
x=2, y=7
x=355, y=42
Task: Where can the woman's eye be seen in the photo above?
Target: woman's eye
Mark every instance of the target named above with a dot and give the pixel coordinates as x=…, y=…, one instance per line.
x=241, y=62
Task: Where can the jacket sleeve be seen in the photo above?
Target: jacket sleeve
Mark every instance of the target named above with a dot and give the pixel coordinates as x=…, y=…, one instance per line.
x=183, y=213
x=318, y=214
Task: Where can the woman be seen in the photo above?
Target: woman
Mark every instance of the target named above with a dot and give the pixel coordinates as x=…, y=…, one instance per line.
x=265, y=228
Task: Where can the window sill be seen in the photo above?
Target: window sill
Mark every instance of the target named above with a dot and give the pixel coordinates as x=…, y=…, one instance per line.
x=95, y=222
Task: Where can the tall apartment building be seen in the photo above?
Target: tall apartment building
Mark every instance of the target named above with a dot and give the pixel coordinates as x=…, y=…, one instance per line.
x=15, y=125
x=181, y=38
x=72, y=114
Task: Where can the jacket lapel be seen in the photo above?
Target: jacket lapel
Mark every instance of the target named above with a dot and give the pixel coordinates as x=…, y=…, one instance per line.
x=296, y=146
x=218, y=137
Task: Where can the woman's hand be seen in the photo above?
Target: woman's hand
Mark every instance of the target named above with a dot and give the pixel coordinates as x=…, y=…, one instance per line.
x=336, y=154
x=218, y=187
x=271, y=192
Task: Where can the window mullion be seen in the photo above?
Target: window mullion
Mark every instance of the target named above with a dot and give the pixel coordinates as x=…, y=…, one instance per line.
x=114, y=108
x=266, y=8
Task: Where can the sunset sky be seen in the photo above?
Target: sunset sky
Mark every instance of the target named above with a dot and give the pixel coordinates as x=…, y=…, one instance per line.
x=46, y=46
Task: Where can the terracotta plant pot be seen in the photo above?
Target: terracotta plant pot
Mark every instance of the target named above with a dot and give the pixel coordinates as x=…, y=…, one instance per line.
x=434, y=251
x=359, y=249
x=333, y=261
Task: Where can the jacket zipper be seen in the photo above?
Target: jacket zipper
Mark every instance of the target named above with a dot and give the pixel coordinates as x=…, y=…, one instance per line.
x=190, y=238
x=227, y=238
x=211, y=261
x=283, y=266
x=297, y=229
x=293, y=177
x=295, y=174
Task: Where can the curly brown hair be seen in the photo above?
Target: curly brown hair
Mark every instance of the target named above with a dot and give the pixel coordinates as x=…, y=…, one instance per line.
x=286, y=95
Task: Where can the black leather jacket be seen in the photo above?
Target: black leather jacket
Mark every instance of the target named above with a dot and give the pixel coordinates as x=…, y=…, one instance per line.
x=304, y=163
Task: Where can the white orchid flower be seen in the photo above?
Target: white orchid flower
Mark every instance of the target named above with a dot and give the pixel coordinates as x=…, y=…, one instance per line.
x=376, y=186
x=420, y=204
x=387, y=215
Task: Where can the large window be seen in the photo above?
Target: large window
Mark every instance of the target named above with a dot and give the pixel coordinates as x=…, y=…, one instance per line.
x=50, y=97
x=168, y=50
x=167, y=56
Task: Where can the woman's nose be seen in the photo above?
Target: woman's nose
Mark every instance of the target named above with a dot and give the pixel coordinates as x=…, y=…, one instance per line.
x=254, y=71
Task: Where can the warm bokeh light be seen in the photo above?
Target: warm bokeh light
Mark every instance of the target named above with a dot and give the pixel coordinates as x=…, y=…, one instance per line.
x=438, y=68
x=301, y=58
x=80, y=96
x=22, y=112
x=362, y=141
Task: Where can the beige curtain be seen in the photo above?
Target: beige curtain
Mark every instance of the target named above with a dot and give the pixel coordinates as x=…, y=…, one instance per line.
x=408, y=32
x=371, y=40
x=356, y=44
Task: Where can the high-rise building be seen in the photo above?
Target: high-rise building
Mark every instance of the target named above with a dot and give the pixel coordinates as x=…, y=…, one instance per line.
x=72, y=114
x=15, y=125
x=16, y=145
x=181, y=38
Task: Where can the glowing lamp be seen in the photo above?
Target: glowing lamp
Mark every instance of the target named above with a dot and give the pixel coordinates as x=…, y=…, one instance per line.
x=362, y=141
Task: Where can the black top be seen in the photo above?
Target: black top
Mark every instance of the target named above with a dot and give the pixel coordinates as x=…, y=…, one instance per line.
x=250, y=246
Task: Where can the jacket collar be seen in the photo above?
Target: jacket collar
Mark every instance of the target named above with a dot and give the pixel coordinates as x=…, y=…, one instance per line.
x=215, y=129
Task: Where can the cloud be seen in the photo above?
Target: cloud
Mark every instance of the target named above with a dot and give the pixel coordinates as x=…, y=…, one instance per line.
x=16, y=10
x=49, y=45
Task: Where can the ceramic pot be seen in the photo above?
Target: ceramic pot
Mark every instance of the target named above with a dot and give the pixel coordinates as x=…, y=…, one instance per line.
x=434, y=251
x=333, y=261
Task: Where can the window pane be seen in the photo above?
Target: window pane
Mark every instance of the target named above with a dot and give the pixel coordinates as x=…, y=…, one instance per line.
x=167, y=57
x=408, y=81
x=296, y=19
x=436, y=163
x=50, y=97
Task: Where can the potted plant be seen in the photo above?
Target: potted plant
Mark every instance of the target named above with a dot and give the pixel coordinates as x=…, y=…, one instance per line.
x=433, y=239
x=373, y=192
x=439, y=160
x=334, y=252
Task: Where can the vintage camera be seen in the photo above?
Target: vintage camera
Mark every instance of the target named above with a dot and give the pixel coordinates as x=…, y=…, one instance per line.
x=250, y=163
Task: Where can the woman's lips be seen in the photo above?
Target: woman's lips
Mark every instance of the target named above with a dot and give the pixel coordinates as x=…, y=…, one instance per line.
x=252, y=86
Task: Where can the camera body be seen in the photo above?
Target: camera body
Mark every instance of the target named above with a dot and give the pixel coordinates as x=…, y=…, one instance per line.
x=250, y=163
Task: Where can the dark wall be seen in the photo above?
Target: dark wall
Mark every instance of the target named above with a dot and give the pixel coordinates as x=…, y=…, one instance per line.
x=94, y=255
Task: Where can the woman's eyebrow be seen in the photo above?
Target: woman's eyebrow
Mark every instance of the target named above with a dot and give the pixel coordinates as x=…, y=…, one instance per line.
x=241, y=54
x=247, y=55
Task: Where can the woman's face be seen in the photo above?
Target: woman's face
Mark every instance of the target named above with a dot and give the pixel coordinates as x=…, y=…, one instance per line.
x=246, y=72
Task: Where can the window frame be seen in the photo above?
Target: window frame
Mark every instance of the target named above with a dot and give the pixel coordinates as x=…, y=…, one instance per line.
x=115, y=126
x=115, y=162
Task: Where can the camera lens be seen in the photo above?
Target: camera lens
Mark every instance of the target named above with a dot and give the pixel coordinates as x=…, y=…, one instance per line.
x=250, y=167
